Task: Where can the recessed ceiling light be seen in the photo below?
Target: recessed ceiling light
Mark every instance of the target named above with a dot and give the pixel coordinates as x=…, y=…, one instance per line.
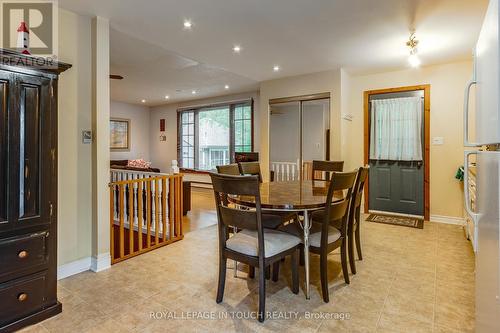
x=276, y=68
x=167, y=97
x=226, y=87
x=237, y=48
x=143, y=101
x=193, y=92
x=188, y=24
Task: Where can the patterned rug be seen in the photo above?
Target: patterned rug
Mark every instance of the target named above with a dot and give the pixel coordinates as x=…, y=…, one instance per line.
x=411, y=222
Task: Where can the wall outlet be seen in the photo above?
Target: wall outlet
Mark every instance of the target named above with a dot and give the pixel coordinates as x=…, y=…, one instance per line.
x=437, y=141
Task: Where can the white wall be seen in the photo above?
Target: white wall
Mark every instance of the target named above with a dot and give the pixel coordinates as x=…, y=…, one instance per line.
x=163, y=152
x=74, y=158
x=140, y=137
x=446, y=102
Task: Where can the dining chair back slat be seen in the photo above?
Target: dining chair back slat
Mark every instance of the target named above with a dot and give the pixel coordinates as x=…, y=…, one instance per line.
x=230, y=169
x=250, y=168
x=325, y=167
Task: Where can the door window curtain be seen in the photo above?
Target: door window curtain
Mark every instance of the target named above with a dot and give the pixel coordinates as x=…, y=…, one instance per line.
x=396, y=129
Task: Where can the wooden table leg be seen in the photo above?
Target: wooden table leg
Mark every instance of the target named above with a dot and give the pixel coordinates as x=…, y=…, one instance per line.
x=306, y=251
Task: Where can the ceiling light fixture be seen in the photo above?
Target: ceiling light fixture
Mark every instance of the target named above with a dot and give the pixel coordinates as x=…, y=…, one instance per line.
x=412, y=44
x=193, y=92
x=188, y=24
x=143, y=101
x=236, y=49
x=226, y=87
x=276, y=68
x=167, y=97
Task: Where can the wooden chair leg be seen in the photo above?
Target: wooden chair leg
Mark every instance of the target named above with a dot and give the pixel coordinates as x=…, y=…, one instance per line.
x=301, y=256
x=268, y=272
x=295, y=272
x=357, y=234
x=276, y=271
x=222, y=279
x=343, y=257
x=324, y=276
x=262, y=293
x=352, y=260
x=251, y=272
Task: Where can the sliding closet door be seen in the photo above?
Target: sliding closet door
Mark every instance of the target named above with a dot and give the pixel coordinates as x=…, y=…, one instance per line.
x=299, y=133
x=315, y=130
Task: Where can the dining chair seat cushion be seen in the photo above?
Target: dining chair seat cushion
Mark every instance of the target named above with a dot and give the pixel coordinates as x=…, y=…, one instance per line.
x=246, y=242
x=314, y=233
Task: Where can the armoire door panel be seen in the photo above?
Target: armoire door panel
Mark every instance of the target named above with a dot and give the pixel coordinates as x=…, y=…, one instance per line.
x=29, y=155
x=4, y=111
x=29, y=151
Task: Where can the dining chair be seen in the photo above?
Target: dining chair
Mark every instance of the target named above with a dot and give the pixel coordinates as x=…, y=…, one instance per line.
x=250, y=168
x=354, y=217
x=324, y=236
x=325, y=167
x=230, y=169
x=254, y=245
x=329, y=227
x=269, y=221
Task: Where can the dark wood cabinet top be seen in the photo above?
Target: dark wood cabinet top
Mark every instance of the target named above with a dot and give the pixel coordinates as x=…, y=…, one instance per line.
x=47, y=65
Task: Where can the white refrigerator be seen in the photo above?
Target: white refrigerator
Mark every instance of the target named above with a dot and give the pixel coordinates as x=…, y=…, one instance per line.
x=486, y=81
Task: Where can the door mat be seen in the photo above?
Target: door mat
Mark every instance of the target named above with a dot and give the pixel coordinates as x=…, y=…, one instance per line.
x=412, y=222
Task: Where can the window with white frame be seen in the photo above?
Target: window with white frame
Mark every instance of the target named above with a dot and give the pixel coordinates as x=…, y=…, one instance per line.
x=210, y=135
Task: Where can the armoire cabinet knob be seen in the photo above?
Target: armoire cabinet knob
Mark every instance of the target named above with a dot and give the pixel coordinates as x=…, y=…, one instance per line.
x=22, y=297
x=23, y=254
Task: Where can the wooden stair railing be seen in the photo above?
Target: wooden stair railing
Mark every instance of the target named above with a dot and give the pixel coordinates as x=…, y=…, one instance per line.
x=145, y=214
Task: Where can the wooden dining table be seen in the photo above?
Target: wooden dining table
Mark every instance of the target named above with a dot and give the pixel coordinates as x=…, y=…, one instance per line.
x=296, y=196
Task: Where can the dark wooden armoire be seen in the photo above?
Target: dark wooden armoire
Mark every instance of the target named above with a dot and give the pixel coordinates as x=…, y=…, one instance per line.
x=28, y=189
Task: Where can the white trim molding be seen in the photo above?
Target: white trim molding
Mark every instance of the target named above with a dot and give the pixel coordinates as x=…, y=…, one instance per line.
x=101, y=262
x=73, y=268
x=447, y=219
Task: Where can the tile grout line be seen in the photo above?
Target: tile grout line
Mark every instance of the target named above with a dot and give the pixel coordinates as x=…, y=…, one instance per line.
x=385, y=301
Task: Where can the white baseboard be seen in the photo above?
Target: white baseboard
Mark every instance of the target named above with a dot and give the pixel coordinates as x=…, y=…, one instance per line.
x=447, y=219
x=101, y=262
x=73, y=268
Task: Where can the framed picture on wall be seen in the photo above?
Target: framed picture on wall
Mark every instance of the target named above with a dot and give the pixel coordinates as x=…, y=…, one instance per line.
x=119, y=134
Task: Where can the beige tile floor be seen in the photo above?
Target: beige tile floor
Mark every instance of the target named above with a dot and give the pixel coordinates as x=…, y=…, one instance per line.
x=409, y=281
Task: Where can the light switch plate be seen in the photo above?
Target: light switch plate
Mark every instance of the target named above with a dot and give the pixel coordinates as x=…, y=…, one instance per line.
x=87, y=137
x=438, y=141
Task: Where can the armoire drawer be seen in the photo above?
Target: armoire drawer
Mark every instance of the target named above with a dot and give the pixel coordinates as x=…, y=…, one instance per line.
x=22, y=297
x=23, y=255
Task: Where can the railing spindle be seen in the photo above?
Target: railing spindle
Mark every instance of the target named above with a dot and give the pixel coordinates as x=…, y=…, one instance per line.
x=157, y=213
x=139, y=213
x=131, y=217
x=122, y=211
x=148, y=212
x=164, y=207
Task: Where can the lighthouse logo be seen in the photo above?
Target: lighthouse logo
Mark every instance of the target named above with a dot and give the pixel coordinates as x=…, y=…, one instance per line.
x=29, y=27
